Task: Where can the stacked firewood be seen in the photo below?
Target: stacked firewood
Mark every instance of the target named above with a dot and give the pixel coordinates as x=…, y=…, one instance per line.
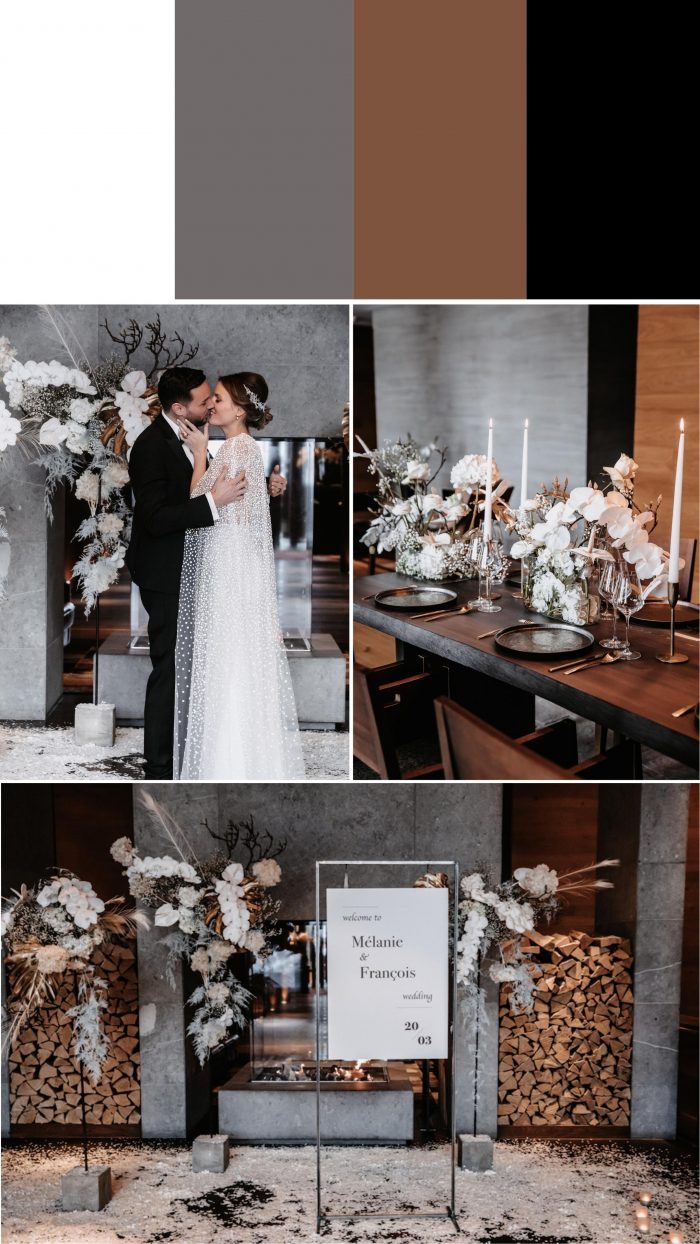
x=567, y=1063
x=44, y=1076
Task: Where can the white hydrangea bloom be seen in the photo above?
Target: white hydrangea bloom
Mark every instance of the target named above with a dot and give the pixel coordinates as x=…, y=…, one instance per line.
x=10, y=427
x=539, y=881
x=267, y=872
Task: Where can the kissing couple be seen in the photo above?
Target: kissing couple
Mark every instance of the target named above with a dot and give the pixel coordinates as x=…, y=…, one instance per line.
x=219, y=701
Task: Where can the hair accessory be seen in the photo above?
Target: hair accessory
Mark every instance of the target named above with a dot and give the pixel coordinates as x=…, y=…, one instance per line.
x=258, y=404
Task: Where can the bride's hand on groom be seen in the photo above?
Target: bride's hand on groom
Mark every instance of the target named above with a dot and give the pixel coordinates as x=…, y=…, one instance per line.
x=227, y=490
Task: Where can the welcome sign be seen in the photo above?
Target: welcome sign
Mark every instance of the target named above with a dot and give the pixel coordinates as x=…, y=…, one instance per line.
x=387, y=973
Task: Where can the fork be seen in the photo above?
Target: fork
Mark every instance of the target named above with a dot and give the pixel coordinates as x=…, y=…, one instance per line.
x=609, y=659
x=439, y=613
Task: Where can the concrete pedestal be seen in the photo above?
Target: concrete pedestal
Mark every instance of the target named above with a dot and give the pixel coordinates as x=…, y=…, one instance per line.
x=475, y=1153
x=318, y=678
x=94, y=723
x=210, y=1153
x=285, y=1114
x=89, y=1189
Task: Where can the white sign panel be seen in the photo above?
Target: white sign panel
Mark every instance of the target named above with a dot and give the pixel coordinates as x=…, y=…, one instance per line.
x=387, y=973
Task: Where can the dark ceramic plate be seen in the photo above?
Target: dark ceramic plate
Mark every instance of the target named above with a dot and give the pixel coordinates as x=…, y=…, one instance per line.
x=415, y=598
x=658, y=613
x=543, y=639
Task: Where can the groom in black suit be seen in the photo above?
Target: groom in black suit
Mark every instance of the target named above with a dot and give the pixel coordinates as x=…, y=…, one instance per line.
x=161, y=474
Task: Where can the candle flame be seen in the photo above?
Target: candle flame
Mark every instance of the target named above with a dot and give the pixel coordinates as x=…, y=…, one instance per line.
x=682, y=425
x=490, y=423
x=527, y=423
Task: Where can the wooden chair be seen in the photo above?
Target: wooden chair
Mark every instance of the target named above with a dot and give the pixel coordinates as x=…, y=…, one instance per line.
x=394, y=705
x=688, y=550
x=472, y=750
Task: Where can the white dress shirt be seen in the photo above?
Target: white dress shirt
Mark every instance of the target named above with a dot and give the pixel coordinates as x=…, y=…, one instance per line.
x=190, y=455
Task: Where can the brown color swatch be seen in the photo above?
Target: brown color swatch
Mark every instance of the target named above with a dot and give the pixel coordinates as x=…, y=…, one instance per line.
x=440, y=149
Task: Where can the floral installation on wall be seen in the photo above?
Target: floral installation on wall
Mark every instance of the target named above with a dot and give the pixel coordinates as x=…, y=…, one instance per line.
x=79, y=422
x=217, y=908
x=429, y=533
x=558, y=532
x=49, y=930
x=499, y=917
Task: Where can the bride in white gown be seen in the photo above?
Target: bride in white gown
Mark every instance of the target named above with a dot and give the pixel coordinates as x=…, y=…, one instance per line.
x=235, y=716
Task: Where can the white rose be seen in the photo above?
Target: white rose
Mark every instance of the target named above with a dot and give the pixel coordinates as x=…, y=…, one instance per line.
x=416, y=472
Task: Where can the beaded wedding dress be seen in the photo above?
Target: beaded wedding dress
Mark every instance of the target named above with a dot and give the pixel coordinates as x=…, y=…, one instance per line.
x=235, y=716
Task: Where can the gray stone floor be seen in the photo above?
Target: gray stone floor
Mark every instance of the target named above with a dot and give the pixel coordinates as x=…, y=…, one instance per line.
x=29, y=752
x=539, y=1192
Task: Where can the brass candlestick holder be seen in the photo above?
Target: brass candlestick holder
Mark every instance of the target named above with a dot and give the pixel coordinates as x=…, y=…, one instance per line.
x=672, y=657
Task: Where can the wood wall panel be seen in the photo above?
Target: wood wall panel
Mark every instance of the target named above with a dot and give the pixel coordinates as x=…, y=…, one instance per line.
x=667, y=390
x=557, y=825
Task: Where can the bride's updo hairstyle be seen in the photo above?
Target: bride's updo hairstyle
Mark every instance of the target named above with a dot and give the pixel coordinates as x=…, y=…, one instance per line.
x=249, y=391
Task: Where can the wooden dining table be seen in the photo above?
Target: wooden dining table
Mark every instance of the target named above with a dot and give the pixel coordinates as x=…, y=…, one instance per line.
x=635, y=699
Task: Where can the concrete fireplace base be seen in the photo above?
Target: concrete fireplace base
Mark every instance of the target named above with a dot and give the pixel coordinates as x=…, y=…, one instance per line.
x=285, y=1113
x=318, y=678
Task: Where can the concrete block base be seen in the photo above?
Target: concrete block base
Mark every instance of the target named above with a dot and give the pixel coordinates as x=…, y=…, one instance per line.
x=95, y=723
x=210, y=1153
x=285, y=1114
x=475, y=1153
x=89, y=1189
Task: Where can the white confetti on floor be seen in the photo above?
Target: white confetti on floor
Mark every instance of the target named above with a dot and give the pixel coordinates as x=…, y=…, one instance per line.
x=539, y=1192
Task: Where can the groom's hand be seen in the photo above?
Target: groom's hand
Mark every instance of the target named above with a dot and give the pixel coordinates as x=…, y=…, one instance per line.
x=227, y=490
x=277, y=484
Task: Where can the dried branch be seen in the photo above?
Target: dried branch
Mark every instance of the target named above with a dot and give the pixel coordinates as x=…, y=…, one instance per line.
x=167, y=351
x=244, y=836
x=128, y=338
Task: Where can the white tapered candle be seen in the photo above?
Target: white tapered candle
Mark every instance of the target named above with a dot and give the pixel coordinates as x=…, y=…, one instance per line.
x=488, y=520
x=677, y=503
x=523, y=474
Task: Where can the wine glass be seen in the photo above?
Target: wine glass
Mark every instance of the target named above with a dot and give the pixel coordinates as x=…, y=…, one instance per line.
x=628, y=597
x=606, y=581
x=488, y=558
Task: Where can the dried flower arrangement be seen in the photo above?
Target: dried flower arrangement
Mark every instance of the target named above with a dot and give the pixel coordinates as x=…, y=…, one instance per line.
x=217, y=908
x=54, y=928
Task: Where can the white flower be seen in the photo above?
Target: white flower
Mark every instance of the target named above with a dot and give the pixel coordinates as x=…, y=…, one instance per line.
x=81, y=946
x=102, y=572
x=9, y=427
x=519, y=917
x=573, y=605
x=6, y=921
x=199, y=961
x=77, y=437
x=78, y=897
x=430, y=502
x=267, y=872
x=430, y=562
x=538, y=881
x=473, y=887
x=234, y=874
x=80, y=409
x=553, y=532
x=254, y=941
x=162, y=866
x=13, y=380
x=122, y=850
x=109, y=525
x=115, y=475
x=417, y=471
x=187, y=896
x=53, y=432
x=7, y=354
x=647, y=558
x=470, y=472
x=166, y=915
x=403, y=509
x=589, y=502
x=469, y=944
x=87, y=487
x=186, y=920
x=623, y=472
x=132, y=406
x=501, y=973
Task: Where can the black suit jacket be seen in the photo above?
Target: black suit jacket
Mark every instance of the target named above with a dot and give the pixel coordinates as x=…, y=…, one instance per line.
x=161, y=475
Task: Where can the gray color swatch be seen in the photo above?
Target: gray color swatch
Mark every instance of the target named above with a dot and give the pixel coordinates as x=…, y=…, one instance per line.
x=264, y=149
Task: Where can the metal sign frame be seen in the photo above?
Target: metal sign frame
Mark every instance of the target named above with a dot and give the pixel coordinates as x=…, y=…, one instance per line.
x=450, y=1213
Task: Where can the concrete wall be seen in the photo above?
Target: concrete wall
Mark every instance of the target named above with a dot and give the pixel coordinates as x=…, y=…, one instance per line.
x=31, y=653
x=327, y=822
x=442, y=371
x=663, y=833
x=302, y=351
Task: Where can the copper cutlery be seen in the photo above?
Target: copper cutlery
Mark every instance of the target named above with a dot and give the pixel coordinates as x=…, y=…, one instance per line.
x=439, y=613
x=610, y=658
x=681, y=712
